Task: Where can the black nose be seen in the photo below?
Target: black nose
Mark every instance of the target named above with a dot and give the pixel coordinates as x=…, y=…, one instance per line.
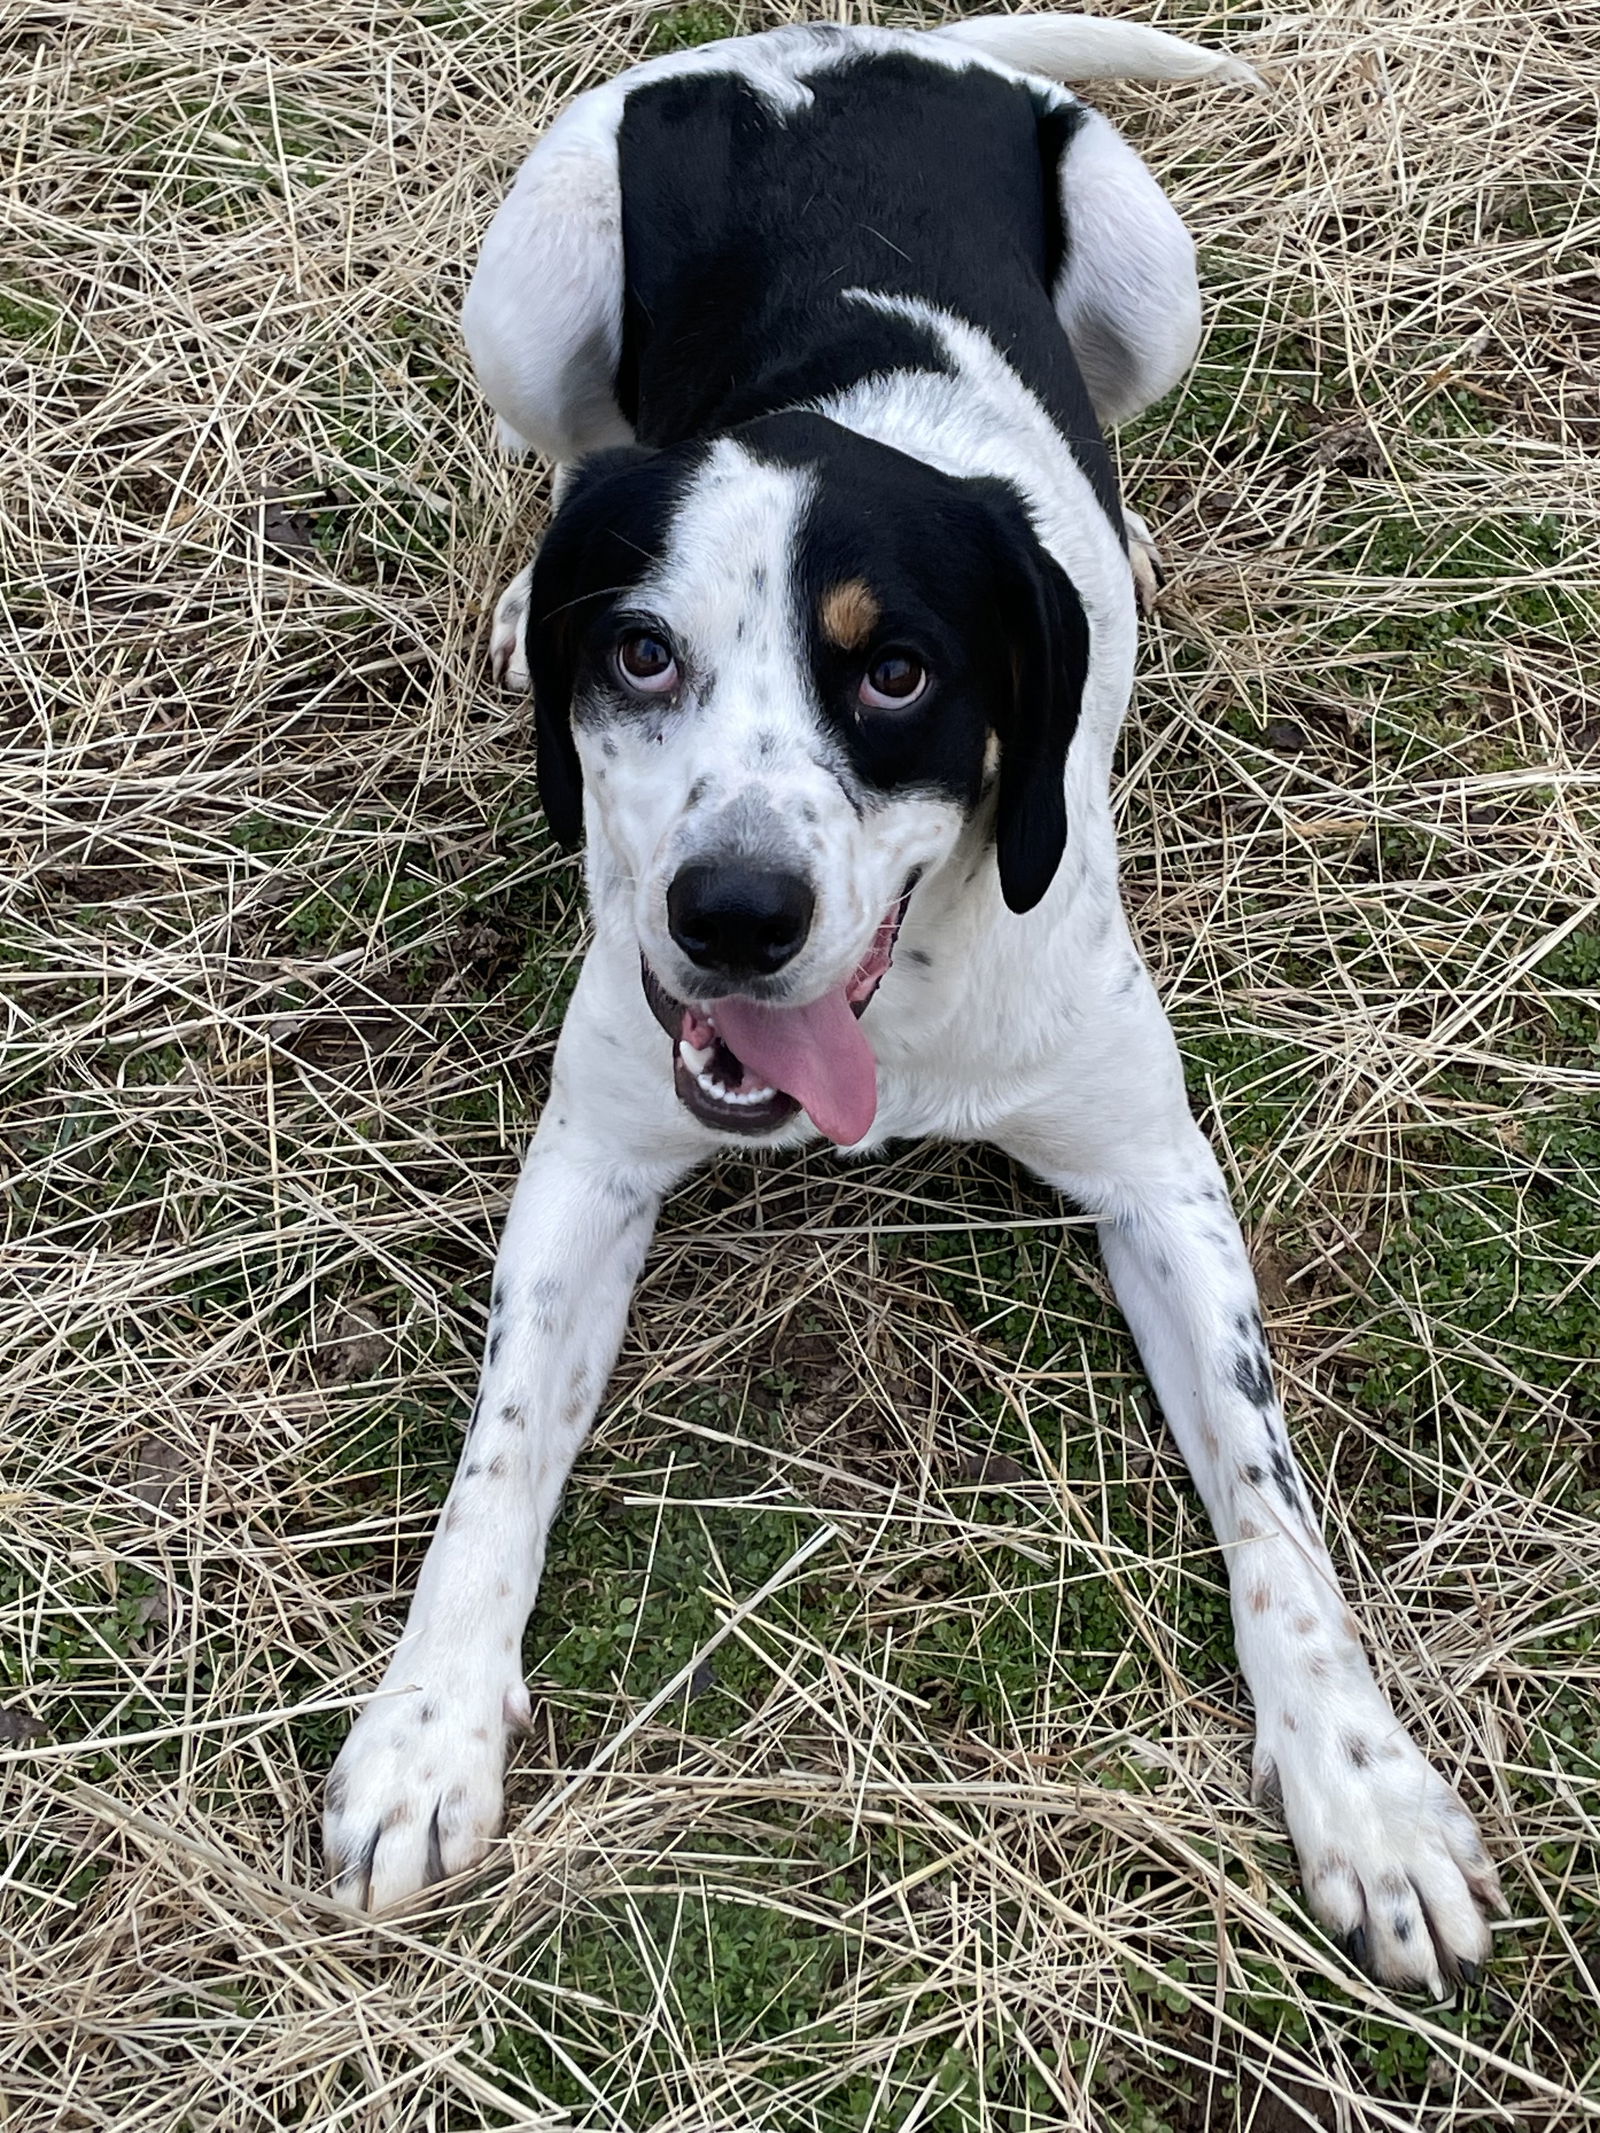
x=739, y=920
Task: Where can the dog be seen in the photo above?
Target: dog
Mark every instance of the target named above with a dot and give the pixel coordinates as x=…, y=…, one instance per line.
x=829, y=642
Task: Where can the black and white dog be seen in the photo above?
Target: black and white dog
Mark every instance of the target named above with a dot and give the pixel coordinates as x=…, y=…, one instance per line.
x=829, y=643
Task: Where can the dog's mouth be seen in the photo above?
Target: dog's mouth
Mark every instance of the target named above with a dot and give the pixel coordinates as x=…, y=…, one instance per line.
x=744, y=1067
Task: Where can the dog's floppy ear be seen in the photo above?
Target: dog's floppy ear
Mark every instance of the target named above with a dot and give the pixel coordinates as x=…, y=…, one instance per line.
x=598, y=542
x=1047, y=637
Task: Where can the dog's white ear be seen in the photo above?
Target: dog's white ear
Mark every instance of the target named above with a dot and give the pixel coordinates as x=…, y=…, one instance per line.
x=1048, y=636
x=608, y=530
x=543, y=318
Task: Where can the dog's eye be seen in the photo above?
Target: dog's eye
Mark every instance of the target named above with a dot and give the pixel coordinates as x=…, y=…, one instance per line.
x=893, y=682
x=645, y=662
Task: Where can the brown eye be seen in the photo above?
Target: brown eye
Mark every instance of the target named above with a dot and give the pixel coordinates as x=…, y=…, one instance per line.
x=893, y=682
x=646, y=663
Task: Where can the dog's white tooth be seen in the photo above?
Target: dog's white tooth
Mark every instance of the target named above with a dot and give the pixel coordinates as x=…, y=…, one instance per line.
x=714, y=1089
x=694, y=1058
x=744, y=1096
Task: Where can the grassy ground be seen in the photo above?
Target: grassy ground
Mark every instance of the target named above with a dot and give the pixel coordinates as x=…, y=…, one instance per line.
x=889, y=1766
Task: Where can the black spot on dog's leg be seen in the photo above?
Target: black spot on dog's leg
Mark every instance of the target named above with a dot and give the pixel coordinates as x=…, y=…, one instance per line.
x=544, y=1298
x=1283, y=1474
x=1253, y=1375
x=361, y=1869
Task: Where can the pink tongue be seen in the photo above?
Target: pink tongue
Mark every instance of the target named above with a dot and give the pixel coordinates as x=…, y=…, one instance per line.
x=817, y=1054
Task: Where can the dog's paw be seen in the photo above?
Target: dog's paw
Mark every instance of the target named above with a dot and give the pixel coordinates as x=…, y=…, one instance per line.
x=1144, y=560
x=508, y=655
x=416, y=1794
x=1391, y=1861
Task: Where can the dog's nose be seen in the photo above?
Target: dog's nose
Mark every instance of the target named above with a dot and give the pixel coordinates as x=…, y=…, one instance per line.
x=738, y=920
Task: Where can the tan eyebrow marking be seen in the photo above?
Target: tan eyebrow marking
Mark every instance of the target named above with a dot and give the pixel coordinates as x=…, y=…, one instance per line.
x=850, y=614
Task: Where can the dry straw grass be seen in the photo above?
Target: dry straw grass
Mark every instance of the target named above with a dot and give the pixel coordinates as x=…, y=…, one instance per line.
x=283, y=957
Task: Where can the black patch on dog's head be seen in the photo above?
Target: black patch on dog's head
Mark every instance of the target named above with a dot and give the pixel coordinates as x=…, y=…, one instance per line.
x=952, y=573
x=609, y=531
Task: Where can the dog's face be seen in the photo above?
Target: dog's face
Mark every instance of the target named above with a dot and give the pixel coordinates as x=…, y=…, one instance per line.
x=786, y=668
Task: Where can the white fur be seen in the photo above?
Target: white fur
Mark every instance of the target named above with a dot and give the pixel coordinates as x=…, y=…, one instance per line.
x=1041, y=1033
x=1127, y=294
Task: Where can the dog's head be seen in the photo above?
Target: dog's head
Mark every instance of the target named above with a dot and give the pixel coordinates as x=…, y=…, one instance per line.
x=785, y=669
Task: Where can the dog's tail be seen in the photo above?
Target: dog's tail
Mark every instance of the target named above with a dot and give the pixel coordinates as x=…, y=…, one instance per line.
x=1092, y=48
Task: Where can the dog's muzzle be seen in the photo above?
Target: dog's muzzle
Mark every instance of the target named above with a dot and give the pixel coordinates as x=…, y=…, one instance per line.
x=743, y=1067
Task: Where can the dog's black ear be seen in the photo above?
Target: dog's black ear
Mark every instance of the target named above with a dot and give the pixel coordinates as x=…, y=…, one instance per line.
x=1047, y=637
x=598, y=543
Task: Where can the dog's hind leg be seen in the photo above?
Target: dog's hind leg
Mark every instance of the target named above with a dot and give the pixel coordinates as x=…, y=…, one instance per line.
x=1144, y=558
x=416, y=1792
x=508, y=636
x=1389, y=1856
x=543, y=317
x=1127, y=293
x=508, y=647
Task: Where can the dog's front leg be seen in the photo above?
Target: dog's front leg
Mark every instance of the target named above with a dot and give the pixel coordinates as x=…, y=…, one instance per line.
x=416, y=1792
x=1390, y=1858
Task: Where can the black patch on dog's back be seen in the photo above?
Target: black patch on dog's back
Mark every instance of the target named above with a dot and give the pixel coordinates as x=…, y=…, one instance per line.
x=743, y=226
x=1058, y=119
